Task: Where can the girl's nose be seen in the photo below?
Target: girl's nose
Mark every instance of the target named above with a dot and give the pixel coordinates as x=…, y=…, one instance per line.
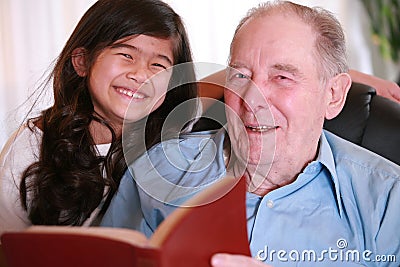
x=140, y=73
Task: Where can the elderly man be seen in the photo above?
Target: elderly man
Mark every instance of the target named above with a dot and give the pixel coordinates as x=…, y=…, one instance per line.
x=321, y=194
x=313, y=197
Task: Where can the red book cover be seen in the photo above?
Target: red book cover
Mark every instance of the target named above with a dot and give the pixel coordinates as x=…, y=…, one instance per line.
x=188, y=237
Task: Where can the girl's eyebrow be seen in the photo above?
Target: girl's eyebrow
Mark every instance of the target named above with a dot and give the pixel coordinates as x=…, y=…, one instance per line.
x=161, y=56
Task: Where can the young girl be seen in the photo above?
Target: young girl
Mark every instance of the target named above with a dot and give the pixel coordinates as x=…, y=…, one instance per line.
x=62, y=167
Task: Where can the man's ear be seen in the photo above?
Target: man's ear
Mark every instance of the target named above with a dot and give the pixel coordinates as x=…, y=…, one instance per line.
x=78, y=59
x=339, y=87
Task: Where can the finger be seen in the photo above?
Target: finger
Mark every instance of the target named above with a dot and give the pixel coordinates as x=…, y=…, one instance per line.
x=396, y=95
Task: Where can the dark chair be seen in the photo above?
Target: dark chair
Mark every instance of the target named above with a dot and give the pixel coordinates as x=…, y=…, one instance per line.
x=367, y=119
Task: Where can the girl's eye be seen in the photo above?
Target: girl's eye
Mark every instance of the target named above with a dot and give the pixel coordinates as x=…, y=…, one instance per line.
x=126, y=55
x=158, y=65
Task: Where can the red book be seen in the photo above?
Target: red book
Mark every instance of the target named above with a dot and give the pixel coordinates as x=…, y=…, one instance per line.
x=188, y=237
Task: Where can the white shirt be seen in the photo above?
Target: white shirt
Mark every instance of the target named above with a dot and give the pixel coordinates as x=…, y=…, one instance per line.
x=21, y=150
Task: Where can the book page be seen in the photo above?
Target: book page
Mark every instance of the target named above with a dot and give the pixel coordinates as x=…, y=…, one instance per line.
x=119, y=234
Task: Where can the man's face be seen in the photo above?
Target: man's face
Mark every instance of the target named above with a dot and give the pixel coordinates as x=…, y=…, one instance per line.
x=274, y=71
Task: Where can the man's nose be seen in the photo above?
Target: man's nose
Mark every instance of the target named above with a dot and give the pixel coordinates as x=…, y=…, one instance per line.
x=254, y=97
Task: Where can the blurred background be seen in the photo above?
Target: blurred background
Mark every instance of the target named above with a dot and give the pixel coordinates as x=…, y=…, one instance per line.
x=33, y=32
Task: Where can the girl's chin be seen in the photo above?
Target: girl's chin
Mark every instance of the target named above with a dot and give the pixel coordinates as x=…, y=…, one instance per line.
x=132, y=115
x=132, y=119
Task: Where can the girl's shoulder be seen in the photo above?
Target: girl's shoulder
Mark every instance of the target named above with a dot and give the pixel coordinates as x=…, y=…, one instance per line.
x=20, y=151
x=22, y=145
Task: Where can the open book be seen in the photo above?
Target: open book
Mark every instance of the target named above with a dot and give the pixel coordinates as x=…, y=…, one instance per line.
x=188, y=237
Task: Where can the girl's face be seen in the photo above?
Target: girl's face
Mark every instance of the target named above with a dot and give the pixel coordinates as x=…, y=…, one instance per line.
x=119, y=81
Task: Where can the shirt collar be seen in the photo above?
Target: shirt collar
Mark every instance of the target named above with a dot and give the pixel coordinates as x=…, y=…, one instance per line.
x=325, y=157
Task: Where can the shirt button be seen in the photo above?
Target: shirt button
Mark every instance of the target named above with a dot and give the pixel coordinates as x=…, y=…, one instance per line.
x=270, y=204
x=314, y=168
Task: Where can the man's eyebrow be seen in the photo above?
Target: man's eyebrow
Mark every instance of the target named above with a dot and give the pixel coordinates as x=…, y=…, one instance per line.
x=288, y=68
x=237, y=65
x=119, y=45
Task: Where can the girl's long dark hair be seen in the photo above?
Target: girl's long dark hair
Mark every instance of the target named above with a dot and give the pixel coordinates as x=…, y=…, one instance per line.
x=68, y=181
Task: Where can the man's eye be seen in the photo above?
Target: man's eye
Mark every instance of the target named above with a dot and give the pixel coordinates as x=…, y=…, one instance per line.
x=241, y=76
x=281, y=77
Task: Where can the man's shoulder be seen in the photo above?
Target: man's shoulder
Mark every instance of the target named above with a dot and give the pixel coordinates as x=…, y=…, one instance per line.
x=177, y=168
x=188, y=144
x=359, y=162
x=197, y=153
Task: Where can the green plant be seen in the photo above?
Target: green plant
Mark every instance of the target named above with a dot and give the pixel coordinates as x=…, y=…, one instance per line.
x=385, y=26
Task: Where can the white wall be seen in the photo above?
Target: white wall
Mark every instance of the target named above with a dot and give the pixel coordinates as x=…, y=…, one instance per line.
x=33, y=32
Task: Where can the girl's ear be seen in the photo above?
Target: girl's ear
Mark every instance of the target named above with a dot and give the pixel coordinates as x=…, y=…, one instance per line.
x=78, y=59
x=339, y=87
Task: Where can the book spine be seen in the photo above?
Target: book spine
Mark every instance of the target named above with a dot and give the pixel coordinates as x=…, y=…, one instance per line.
x=146, y=257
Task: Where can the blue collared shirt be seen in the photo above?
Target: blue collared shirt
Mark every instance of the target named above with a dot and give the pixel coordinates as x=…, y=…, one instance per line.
x=342, y=210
